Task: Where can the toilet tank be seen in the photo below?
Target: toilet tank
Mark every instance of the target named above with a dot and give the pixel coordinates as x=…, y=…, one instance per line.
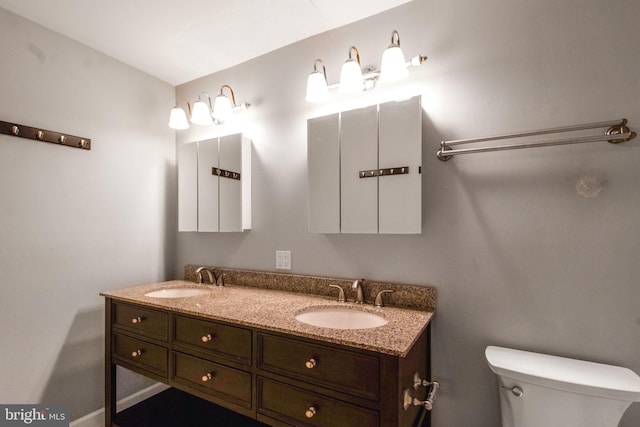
x=540, y=390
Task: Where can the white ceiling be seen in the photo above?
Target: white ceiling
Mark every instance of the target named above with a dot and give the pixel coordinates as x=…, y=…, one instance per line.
x=178, y=41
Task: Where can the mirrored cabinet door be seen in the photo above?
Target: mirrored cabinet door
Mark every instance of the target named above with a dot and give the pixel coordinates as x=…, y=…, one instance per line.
x=323, y=155
x=207, y=185
x=358, y=152
x=400, y=146
x=230, y=161
x=188, y=187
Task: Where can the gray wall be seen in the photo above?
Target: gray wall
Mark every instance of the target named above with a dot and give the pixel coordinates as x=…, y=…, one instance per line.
x=75, y=222
x=519, y=258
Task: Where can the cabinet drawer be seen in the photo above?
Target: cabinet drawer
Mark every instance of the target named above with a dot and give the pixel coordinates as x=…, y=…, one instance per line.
x=212, y=337
x=299, y=407
x=141, y=320
x=141, y=354
x=350, y=372
x=212, y=378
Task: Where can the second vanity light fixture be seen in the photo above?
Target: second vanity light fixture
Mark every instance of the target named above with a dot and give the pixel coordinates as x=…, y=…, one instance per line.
x=352, y=80
x=203, y=114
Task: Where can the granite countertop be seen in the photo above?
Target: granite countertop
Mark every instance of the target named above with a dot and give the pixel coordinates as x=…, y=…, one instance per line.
x=274, y=310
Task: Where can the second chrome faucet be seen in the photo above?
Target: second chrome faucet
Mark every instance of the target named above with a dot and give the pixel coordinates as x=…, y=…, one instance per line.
x=359, y=299
x=211, y=274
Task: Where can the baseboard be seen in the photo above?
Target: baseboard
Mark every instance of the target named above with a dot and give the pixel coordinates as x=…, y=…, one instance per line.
x=96, y=418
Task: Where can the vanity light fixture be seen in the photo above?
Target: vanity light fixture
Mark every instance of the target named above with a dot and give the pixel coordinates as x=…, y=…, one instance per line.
x=178, y=118
x=317, y=88
x=393, y=66
x=201, y=111
x=352, y=80
x=203, y=114
x=223, y=107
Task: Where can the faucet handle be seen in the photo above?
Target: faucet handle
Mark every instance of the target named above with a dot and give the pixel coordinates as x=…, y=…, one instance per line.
x=219, y=280
x=379, y=301
x=341, y=297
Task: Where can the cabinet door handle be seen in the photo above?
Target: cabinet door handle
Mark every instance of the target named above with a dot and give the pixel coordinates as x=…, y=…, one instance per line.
x=311, y=363
x=136, y=320
x=208, y=377
x=207, y=338
x=136, y=353
x=309, y=413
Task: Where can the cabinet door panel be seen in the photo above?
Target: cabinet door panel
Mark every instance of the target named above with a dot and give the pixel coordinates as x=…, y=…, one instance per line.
x=187, y=187
x=207, y=185
x=323, y=160
x=400, y=144
x=359, y=151
x=231, y=189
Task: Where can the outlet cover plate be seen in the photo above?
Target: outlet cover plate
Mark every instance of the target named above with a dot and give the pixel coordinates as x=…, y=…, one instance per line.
x=283, y=260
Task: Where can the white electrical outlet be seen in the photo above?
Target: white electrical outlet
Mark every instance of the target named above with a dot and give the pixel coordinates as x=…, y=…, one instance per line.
x=283, y=260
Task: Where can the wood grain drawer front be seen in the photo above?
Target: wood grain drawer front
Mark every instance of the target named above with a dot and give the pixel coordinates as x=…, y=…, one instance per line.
x=140, y=353
x=349, y=372
x=141, y=320
x=234, y=385
x=302, y=408
x=223, y=340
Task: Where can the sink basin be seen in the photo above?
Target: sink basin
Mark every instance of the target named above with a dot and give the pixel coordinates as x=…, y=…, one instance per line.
x=177, y=292
x=340, y=318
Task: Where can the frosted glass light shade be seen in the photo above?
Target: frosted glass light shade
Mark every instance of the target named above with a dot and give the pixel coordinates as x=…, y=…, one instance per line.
x=222, y=108
x=394, y=66
x=178, y=119
x=317, y=90
x=201, y=114
x=351, y=77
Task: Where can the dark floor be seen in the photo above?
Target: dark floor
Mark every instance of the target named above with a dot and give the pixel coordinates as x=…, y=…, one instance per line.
x=174, y=408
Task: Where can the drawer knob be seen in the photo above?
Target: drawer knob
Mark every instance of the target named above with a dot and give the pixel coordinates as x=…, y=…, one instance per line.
x=207, y=338
x=136, y=353
x=136, y=320
x=311, y=363
x=309, y=413
x=207, y=377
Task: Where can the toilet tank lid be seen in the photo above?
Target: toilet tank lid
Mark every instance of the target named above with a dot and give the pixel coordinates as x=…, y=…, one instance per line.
x=562, y=373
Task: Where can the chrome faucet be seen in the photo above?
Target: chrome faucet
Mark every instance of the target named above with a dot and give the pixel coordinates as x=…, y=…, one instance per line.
x=211, y=276
x=357, y=286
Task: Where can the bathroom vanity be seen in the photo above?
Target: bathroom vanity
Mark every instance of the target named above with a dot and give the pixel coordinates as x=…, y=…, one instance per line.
x=242, y=348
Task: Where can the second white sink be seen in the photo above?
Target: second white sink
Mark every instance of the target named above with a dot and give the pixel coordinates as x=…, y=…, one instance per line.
x=177, y=292
x=340, y=318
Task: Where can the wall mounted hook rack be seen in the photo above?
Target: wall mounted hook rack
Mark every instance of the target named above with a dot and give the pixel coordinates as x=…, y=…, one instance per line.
x=37, y=134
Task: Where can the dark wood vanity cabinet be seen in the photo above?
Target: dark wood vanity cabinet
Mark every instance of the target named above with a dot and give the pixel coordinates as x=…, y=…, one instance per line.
x=278, y=379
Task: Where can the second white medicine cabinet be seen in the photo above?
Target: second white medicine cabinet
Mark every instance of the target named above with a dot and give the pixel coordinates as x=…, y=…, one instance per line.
x=365, y=170
x=214, y=184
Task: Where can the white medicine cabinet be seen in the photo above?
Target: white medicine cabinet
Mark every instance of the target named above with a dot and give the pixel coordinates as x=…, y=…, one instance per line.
x=214, y=185
x=365, y=171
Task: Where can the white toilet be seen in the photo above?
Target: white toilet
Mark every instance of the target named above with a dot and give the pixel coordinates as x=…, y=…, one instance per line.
x=539, y=390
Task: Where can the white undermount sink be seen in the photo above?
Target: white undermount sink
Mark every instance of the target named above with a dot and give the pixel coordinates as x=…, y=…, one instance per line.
x=340, y=318
x=177, y=292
